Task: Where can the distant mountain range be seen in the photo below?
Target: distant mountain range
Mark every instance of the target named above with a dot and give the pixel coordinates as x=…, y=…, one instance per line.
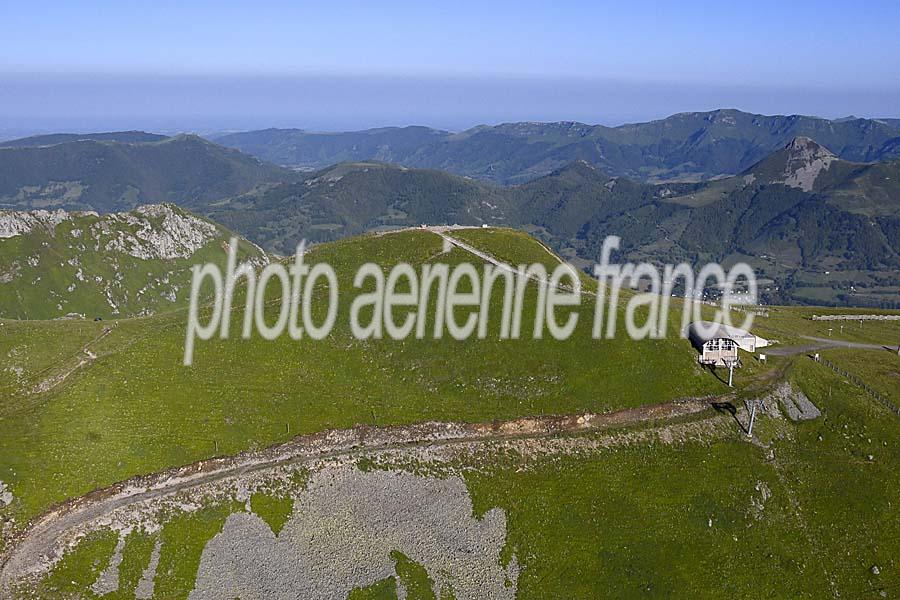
x=127, y=137
x=825, y=230
x=795, y=215
x=822, y=228
x=119, y=171
x=685, y=146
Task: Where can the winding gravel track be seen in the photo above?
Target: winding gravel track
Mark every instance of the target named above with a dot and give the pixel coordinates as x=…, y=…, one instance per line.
x=37, y=545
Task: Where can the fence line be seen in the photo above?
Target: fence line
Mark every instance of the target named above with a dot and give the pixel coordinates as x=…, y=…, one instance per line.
x=855, y=318
x=860, y=383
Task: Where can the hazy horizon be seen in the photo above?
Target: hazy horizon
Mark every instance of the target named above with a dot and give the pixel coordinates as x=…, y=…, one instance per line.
x=213, y=66
x=33, y=104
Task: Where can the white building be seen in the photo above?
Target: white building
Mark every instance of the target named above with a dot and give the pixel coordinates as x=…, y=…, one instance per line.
x=719, y=344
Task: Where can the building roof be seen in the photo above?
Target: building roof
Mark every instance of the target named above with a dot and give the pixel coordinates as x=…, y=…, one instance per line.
x=711, y=331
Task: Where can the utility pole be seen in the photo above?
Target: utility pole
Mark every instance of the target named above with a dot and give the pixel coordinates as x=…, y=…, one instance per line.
x=730, y=372
x=753, y=404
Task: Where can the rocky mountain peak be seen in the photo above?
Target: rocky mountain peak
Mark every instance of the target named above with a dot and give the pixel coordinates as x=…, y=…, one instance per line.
x=804, y=160
x=798, y=164
x=806, y=148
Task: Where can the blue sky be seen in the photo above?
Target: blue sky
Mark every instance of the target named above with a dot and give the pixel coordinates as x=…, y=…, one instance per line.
x=347, y=64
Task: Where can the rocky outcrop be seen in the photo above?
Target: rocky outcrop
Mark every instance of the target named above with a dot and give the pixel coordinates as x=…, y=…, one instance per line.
x=14, y=223
x=794, y=403
x=79, y=262
x=154, y=231
x=6, y=496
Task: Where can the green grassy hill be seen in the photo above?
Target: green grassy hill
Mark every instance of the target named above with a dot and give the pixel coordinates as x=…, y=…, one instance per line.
x=135, y=409
x=654, y=509
x=351, y=198
x=84, y=265
x=108, y=175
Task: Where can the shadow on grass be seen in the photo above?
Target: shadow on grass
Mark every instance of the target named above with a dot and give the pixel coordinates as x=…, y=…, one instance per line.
x=715, y=373
x=728, y=407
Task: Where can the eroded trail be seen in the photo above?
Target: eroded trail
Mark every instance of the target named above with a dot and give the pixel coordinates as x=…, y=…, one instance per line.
x=488, y=258
x=39, y=545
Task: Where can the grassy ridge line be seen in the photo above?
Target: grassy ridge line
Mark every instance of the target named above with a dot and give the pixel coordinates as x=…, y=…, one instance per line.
x=110, y=176
x=515, y=247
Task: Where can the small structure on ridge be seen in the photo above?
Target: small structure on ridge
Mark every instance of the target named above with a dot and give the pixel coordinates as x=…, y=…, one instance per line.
x=718, y=345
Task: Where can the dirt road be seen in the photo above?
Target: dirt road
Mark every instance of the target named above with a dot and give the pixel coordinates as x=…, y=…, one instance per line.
x=818, y=343
x=32, y=551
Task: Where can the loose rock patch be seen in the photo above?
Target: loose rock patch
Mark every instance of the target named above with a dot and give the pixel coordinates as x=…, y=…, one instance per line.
x=6, y=496
x=342, y=533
